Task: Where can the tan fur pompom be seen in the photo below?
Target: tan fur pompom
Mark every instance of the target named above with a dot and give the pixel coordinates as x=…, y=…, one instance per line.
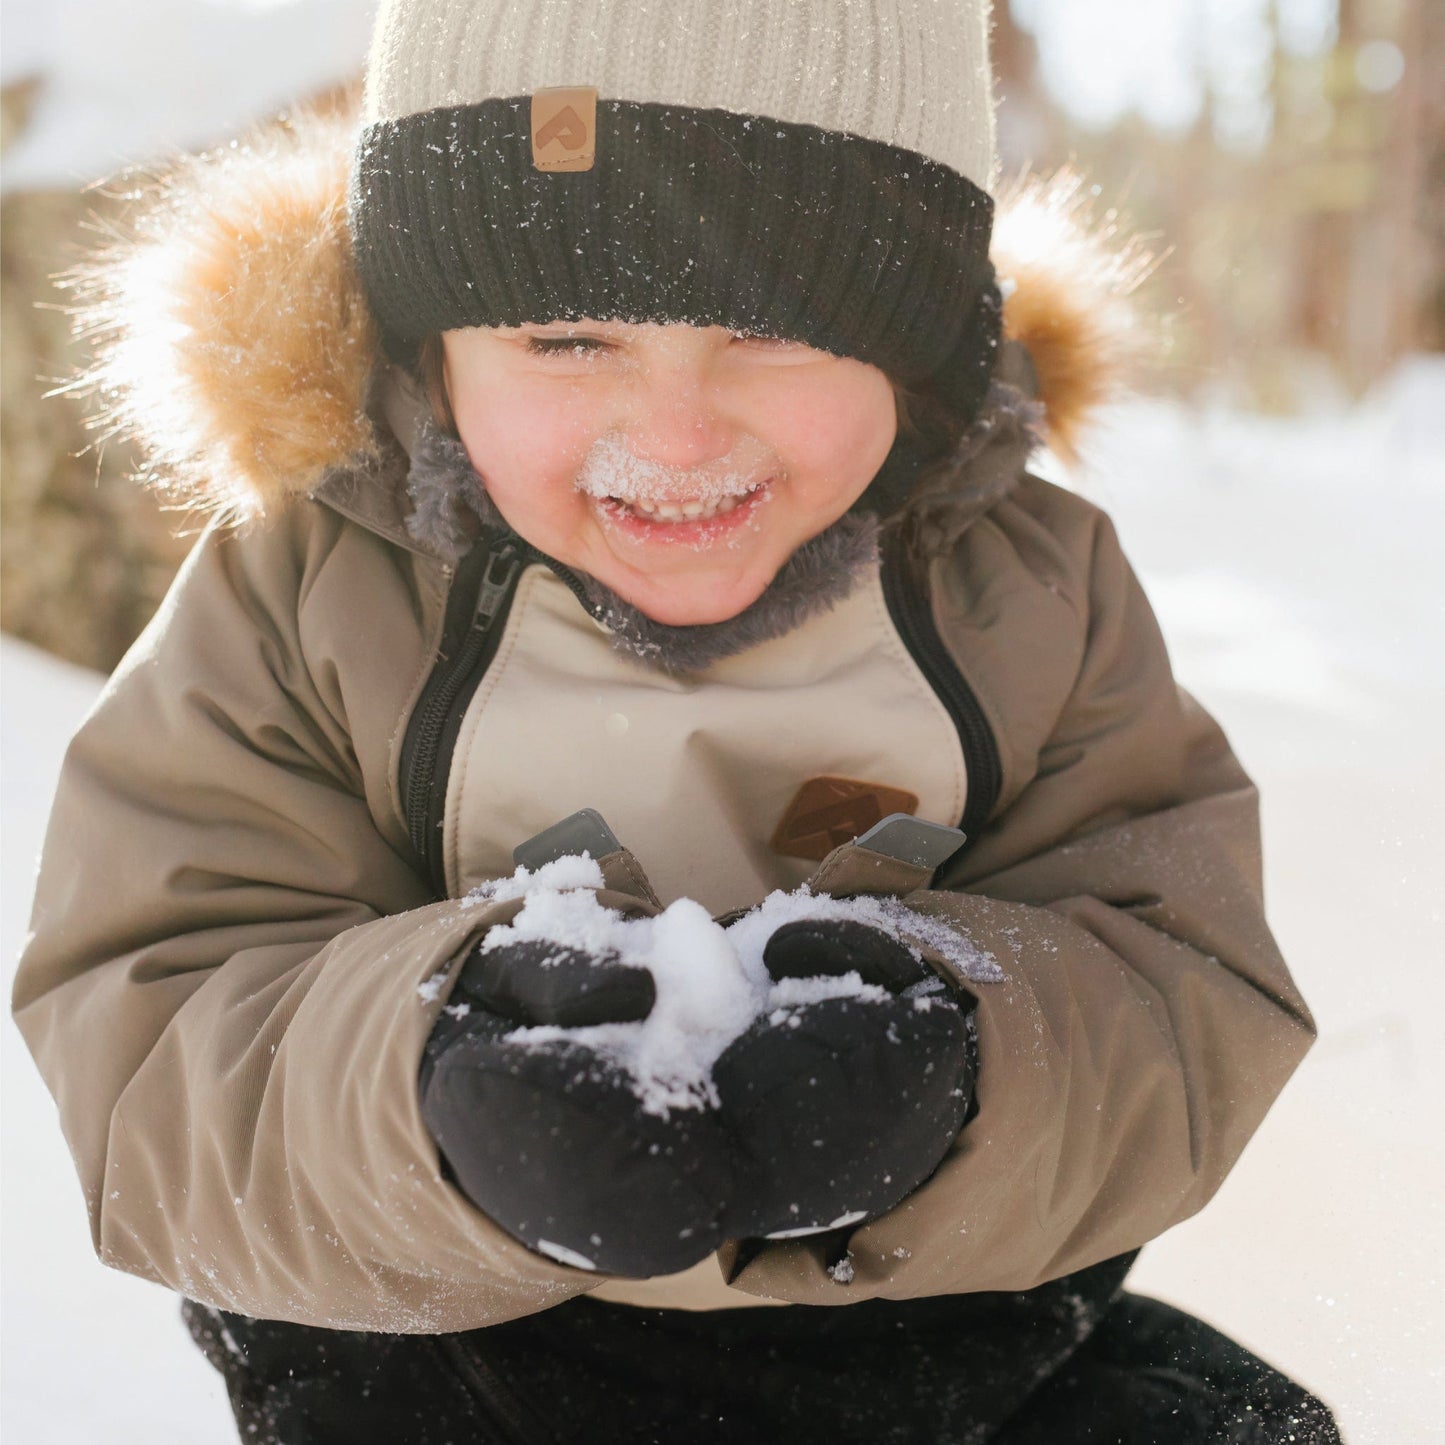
x=1067, y=275
x=230, y=332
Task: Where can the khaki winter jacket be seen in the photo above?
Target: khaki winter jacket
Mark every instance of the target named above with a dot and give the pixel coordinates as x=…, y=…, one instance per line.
x=236, y=956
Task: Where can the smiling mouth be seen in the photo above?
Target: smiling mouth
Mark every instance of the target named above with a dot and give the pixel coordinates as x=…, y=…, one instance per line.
x=691, y=509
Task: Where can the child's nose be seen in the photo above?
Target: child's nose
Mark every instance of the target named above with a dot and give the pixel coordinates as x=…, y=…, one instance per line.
x=675, y=423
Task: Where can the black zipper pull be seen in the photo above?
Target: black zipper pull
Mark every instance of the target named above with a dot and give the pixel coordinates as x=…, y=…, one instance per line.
x=495, y=584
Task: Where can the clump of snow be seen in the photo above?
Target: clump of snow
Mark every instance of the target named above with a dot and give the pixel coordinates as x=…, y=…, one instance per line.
x=711, y=981
x=430, y=991
x=706, y=996
x=916, y=931
x=575, y=870
x=612, y=469
x=796, y=992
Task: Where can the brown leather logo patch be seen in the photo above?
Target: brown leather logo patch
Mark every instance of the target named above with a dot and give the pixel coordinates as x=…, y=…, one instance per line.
x=564, y=128
x=826, y=812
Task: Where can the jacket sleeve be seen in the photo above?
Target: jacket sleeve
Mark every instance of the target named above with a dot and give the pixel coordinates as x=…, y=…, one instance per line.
x=232, y=971
x=1144, y=1021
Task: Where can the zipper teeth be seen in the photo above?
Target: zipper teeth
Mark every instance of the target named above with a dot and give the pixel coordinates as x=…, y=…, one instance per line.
x=489, y=616
x=563, y=574
x=430, y=725
x=423, y=761
x=422, y=748
x=423, y=730
x=914, y=620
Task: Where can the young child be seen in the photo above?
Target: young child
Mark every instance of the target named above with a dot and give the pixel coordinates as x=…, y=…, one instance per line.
x=622, y=420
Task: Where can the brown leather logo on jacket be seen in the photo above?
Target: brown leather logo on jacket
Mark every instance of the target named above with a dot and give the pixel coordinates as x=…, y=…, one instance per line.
x=564, y=128
x=826, y=812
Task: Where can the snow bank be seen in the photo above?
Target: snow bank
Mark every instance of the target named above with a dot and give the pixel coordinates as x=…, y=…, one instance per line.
x=65, y=1317
x=1295, y=567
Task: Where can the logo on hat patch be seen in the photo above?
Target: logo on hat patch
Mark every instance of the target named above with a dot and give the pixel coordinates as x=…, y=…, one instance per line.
x=827, y=812
x=564, y=128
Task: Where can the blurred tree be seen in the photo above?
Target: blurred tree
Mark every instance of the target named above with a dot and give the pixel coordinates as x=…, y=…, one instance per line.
x=85, y=554
x=1426, y=169
x=1303, y=208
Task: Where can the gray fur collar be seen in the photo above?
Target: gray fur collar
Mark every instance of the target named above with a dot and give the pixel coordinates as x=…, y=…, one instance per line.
x=942, y=498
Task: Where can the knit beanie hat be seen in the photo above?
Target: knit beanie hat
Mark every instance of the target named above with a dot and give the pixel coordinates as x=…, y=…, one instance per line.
x=817, y=170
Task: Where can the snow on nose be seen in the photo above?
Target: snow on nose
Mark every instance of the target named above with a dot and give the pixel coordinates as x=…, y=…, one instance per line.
x=612, y=471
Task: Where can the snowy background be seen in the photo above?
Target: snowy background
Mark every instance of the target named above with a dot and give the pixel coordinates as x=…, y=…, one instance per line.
x=1296, y=569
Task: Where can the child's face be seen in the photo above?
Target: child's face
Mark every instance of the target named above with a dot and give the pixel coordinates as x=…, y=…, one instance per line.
x=679, y=465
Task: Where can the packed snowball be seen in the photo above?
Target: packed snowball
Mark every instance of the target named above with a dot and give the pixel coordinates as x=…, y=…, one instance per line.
x=711, y=981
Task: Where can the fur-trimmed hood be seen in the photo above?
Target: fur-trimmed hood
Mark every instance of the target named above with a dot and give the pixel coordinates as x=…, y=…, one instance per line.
x=232, y=339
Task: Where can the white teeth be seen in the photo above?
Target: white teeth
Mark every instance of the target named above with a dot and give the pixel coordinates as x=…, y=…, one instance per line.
x=689, y=511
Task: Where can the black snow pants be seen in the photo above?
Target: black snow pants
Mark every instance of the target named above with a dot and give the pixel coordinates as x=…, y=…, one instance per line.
x=1074, y=1362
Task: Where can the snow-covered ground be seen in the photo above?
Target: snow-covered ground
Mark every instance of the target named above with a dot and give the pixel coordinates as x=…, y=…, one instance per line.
x=1297, y=573
x=1296, y=570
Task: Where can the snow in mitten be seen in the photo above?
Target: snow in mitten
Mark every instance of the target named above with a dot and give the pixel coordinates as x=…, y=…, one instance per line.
x=549, y=1137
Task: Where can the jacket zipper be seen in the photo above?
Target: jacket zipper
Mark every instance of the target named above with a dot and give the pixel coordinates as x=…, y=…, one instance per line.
x=908, y=605
x=477, y=605
x=477, y=608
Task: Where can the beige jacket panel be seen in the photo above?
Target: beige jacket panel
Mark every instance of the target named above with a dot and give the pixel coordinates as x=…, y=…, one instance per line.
x=694, y=773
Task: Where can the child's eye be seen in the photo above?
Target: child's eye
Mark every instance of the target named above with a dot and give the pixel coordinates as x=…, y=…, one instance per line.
x=563, y=345
x=580, y=346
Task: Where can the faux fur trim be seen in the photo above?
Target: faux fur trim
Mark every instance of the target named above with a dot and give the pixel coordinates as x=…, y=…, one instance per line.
x=450, y=506
x=1070, y=273
x=229, y=332
x=449, y=500
x=233, y=340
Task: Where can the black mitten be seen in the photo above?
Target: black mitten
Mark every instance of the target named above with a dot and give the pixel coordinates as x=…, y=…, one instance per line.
x=550, y=1140
x=839, y=1109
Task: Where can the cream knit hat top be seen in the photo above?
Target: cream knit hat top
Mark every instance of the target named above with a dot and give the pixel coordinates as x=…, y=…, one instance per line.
x=816, y=169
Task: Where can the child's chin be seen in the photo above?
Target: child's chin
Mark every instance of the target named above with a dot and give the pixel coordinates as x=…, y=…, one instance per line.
x=672, y=610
